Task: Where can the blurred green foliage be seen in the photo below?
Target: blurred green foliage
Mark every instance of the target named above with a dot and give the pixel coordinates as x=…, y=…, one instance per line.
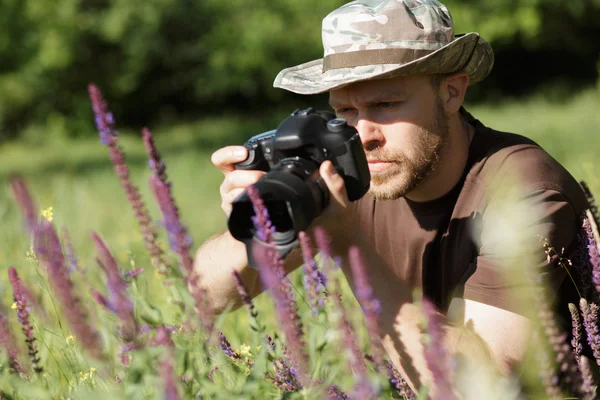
x=162, y=60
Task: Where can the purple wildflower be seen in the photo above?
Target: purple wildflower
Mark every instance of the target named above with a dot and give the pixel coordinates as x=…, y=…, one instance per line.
x=546, y=369
x=324, y=245
x=589, y=311
x=167, y=367
x=24, y=199
x=363, y=389
x=557, y=339
x=244, y=296
x=593, y=248
x=181, y=243
x=314, y=280
x=103, y=301
x=118, y=299
x=260, y=219
x=48, y=249
x=436, y=356
x=69, y=251
x=588, y=386
x=272, y=275
x=23, y=315
x=108, y=134
x=156, y=164
x=179, y=239
x=576, y=340
x=133, y=273
x=9, y=342
x=399, y=382
x=226, y=347
x=286, y=377
x=334, y=393
x=369, y=304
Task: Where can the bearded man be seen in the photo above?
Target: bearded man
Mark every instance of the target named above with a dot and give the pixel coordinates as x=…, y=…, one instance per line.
x=445, y=189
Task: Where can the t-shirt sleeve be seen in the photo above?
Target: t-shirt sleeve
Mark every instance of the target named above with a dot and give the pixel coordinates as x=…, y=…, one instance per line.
x=511, y=254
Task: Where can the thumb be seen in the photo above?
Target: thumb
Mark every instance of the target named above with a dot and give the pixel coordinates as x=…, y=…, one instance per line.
x=335, y=183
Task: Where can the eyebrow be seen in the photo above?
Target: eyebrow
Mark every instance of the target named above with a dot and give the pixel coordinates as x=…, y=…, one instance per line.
x=378, y=98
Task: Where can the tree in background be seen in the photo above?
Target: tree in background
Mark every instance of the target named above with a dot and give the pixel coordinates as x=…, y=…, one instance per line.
x=175, y=59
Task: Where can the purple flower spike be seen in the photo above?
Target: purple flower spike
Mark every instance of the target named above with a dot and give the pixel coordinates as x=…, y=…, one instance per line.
x=23, y=315
x=314, y=280
x=589, y=311
x=588, y=386
x=593, y=248
x=324, y=245
x=103, y=118
x=569, y=373
x=118, y=299
x=436, y=356
x=106, y=127
x=272, y=275
x=363, y=389
x=576, y=340
x=167, y=367
x=243, y=292
x=156, y=164
x=24, y=199
x=181, y=243
x=398, y=381
x=226, y=347
x=369, y=304
x=48, y=249
x=9, y=342
x=261, y=220
x=179, y=239
x=334, y=393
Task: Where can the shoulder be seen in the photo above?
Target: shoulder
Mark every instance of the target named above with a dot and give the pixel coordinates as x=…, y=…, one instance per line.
x=509, y=164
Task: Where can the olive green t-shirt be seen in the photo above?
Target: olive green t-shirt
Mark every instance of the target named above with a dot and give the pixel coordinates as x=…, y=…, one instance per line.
x=463, y=244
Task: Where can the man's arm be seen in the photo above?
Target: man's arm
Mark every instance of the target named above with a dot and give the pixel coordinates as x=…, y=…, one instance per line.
x=494, y=335
x=216, y=260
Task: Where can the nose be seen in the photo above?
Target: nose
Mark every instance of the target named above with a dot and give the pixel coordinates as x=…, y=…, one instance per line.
x=369, y=132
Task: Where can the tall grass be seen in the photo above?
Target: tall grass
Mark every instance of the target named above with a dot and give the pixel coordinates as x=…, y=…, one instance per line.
x=171, y=354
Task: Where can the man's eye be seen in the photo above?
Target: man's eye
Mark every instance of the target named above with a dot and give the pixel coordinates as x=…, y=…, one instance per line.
x=387, y=104
x=343, y=111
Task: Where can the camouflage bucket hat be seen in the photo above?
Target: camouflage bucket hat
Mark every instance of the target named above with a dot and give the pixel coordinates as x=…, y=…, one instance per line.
x=368, y=39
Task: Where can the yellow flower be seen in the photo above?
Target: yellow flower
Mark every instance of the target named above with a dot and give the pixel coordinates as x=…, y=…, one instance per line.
x=245, y=350
x=47, y=213
x=30, y=256
x=14, y=306
x=70, y=339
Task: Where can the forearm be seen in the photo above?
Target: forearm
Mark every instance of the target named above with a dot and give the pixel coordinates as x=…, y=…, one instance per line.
x=401, y=318
x=215, y=261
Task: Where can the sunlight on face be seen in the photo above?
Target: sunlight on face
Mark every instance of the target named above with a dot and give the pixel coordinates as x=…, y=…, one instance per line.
x=403, y=128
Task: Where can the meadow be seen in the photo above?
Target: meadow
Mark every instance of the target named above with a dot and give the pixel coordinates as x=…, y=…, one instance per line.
x=76, y=179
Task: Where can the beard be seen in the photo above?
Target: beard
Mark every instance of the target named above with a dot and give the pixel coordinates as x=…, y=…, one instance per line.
x=407, y=173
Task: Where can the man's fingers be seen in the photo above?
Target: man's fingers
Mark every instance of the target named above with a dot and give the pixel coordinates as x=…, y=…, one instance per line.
x=335, y=183
x=231, y=196
x=240, y=179
x=226, y=157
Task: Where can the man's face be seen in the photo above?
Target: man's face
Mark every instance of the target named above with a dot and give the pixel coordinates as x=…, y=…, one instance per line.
x=403, y=128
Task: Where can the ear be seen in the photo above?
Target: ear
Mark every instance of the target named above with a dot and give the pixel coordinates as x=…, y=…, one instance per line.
x=453, y=90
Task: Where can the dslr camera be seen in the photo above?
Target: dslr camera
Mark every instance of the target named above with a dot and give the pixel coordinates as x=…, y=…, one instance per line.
x=292, y=189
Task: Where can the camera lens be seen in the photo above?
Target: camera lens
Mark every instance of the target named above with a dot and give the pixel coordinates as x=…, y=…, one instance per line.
x=294, y=196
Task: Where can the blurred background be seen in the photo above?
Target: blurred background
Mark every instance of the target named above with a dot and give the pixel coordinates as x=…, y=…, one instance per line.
x=199, y=74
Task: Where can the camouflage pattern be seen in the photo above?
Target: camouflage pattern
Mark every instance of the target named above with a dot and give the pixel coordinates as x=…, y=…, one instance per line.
x=368, y=39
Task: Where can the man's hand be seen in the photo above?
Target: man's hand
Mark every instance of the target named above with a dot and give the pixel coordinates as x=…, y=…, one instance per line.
x=336, y=216
x=236, y=181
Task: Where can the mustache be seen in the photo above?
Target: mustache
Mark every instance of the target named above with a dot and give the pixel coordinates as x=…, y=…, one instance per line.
x=384, y=156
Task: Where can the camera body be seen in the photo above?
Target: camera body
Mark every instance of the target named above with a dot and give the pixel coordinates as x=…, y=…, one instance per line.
x=292, y=188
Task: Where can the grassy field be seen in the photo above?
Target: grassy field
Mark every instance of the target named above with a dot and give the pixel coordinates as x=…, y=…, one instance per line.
x=77, y=180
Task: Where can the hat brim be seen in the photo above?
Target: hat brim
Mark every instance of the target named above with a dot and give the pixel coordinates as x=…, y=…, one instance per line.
x=468, y=52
